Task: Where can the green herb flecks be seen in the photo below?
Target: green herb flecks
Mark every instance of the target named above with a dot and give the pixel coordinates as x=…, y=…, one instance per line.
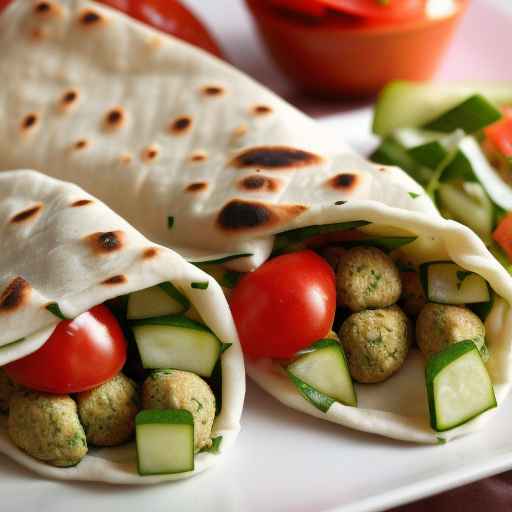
x=200, y=285
x=199, y=405
x=374, y=284
x=413, y=195
x=170, y=222
x=461, y=275
x=54, y=309
x=215, y=447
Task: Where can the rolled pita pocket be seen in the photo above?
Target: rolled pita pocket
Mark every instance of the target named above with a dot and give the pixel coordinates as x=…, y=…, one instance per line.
x=198, y=156
x=51, y=256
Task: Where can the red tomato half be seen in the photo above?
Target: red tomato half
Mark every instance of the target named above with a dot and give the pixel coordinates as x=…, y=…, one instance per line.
x=503, y=235
x=285, y=305
x=80, y=354
x=500, y=133
x=166, y=15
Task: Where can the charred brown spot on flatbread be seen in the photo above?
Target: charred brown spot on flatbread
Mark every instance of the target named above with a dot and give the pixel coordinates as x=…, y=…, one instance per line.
x=241, y=216
x=261, y=110
x=180, y=125
x=119, y=279
x=114, y=118
x=46, y=9
x=198, y=156
x=29, y=122
x=81, y=202
x=27, y=214
x=90, y=18
x=37, y=34
x=258, y=183
x=199, y=186
x=150, y=253
x=125, y=158
x=81, y=144
x=212, y=90
x=68, y=99
x=15, y=295
x=150, y=153
x=344, y=181
x=106, y=242
x=382, y=169
x=275, y=157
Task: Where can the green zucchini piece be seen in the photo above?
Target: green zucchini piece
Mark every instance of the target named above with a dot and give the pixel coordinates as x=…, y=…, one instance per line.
x=177, y=342
x=165, y=441
x=321, y=374
x=458, y=386
x=468, y=203
x=471, y=115
x=160, y=300
x=445, y=282
x=391, y=152
x=293, y=238
x=412, y=104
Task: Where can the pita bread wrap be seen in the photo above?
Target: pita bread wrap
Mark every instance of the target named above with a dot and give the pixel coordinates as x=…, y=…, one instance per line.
x=198, y=156
x=50, y=254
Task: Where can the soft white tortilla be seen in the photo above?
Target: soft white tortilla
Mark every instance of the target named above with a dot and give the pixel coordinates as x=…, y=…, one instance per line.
x=50, y=248
x=246, y=167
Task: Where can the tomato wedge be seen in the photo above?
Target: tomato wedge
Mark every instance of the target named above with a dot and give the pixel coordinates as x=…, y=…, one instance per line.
x=500, y=133
x=80, y=354
x=285, y=305
x=379, y=10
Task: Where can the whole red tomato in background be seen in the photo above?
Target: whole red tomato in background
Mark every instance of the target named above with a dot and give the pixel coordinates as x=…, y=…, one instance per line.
x=80, y=354
x=285, y=305
x=166, y=15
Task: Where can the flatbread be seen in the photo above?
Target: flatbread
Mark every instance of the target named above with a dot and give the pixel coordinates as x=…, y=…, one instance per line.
x=52, y=252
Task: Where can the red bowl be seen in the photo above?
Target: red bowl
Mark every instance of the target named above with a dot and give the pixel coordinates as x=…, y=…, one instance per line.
x=339, y=57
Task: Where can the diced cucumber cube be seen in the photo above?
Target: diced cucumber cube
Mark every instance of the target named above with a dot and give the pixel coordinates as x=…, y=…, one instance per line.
x=323, y=368
x=177, y=342
x=458, y=386
x=160, y=300
x=447, y=283
x=165, y=441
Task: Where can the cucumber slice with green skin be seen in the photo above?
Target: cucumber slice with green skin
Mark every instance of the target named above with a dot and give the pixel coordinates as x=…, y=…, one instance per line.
x=412, y=104
x=322, y=376
x=458, y=386
x=292, y=239
x=165, y=441
x=391, y=152
x=447, y=283
x=471, y=116
x=469, y=204
x=177, y=342
x=160, y=300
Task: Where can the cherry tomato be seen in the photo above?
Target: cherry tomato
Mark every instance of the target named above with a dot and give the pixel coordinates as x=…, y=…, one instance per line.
x=285, y=305
x=172, y=17
x=166, y=15
x=307, y=7
x=500, y=133
x=80, y=354
x=503, y=235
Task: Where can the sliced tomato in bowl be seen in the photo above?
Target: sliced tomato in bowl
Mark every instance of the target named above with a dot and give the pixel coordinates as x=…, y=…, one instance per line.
x=80, y=354
x=499, y=134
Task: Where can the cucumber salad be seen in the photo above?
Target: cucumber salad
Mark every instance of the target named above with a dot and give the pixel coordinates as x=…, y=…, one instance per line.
x=338, y=307
x=456, y=141
x=153, y=374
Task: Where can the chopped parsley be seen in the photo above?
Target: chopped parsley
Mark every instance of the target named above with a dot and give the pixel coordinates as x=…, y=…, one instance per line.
x=170, y=222
x=202, y=285
x=413, y=195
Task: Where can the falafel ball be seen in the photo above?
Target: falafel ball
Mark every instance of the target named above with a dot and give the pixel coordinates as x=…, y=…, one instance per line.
x=413, y=296
x=438, y=325
x=376, y=342
x=108, y=411
x=367, y=278
x=47, y=428
x=7, y=388
x=176, y=389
